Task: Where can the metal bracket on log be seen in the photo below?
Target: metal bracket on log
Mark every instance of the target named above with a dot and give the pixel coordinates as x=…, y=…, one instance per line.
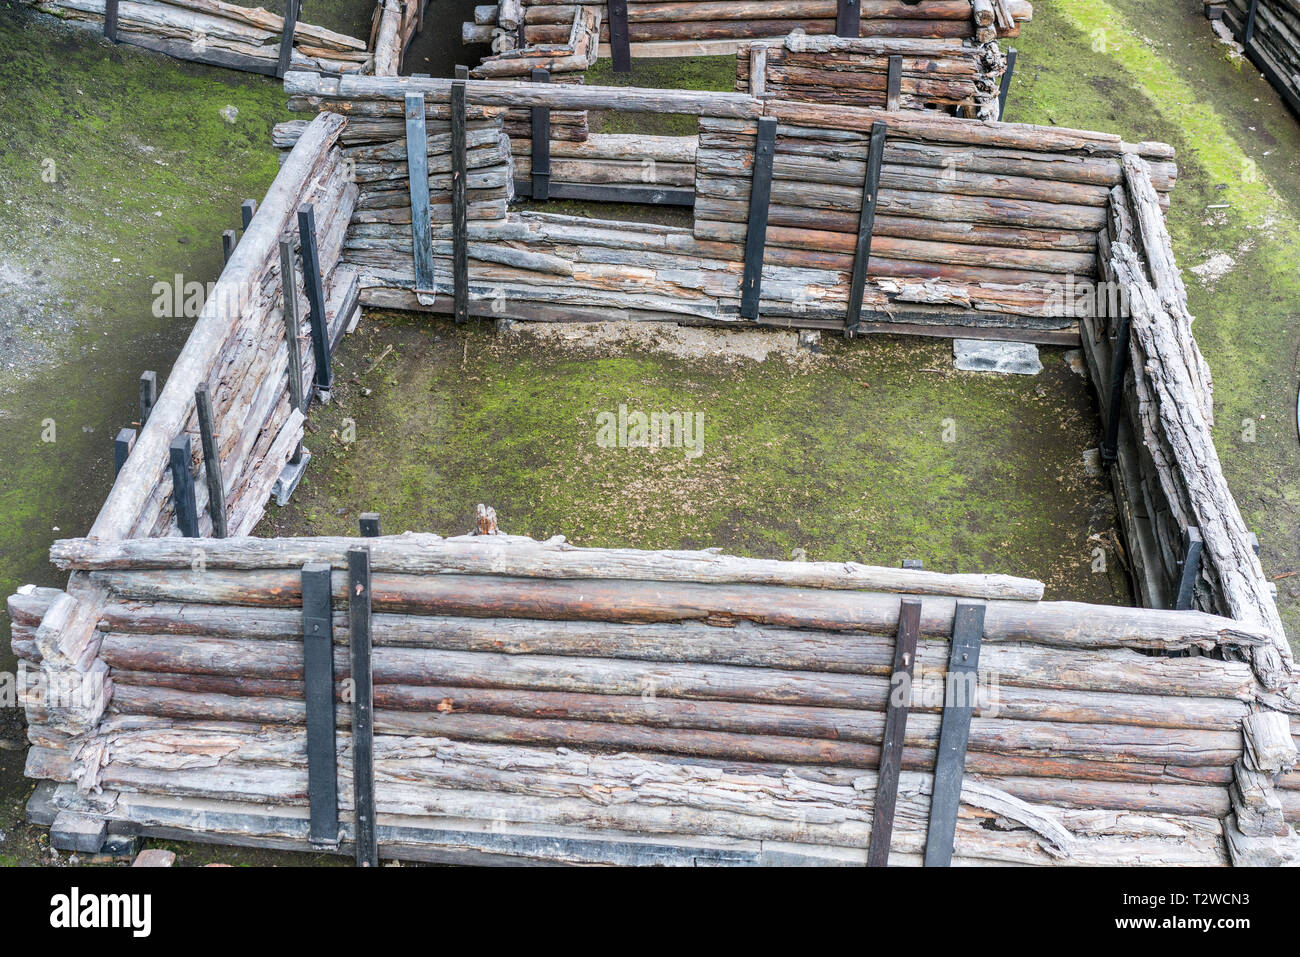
x=620, y=47
x=148, y=395
x=292, y=9
x=312, y=279
x=459, y=203
x=318, y=680
x=186, y=507
x=1191, y=569
x=369, y=523
x=122, y=446
x=1119, y=360
x=894, y=84
x=866, y=222
x=211, y=460
x=541, y=132
x=891, y=748
x=848, y=19
x=1004, y=88
x=417, y=162
x=760, y=198
x=110, y=19
x=363, y=726
x=960, y=692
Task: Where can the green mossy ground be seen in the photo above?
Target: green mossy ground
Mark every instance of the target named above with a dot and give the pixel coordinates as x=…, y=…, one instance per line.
x=1152, y=69
x=841, y=455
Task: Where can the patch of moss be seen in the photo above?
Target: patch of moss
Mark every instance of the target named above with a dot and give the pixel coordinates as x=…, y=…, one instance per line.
x=844, y=456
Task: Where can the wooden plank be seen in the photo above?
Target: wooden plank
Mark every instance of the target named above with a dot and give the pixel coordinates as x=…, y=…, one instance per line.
x=459, y=204
x=598, y=193
x=292, y=323
x=292, y=9
x=954, y=731
x=122, y=446
x=187, y=512
x=417, y=160
x=318, y=678
x=620, y=50
x=866, y=222
x=751, y=286
x=891, y=748
x=363, y=731
x=848, y=18
x=211, y=460
x=541, y=158
x=313, y=280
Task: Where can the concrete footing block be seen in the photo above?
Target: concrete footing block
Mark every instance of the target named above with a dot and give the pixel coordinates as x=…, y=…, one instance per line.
x=77, y=832
x=289, y=479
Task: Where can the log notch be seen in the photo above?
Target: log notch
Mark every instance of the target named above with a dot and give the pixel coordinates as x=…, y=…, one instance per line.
x=492, y=651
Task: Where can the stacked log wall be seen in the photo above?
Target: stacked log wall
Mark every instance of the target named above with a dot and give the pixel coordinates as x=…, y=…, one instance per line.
x=1274, y=41
x=525, y=688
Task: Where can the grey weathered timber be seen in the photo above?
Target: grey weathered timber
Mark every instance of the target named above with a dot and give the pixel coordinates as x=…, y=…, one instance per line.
x=417, y=159
x=363, y=754
x=760, y=193
x=292, y=325
x=314, y=282
x=148, y=395
x=187, y=512
x=891, y=748
x=619, y=42
x=122, y=445
x=292, y=9
x=541, y=131
x=894, y=83
x=211, y=460
x=954, y=733
x=866, y=223
x=318, y=679
x=1004, y=88
x=459, y=201
x=848, y=18
x=1191, y=569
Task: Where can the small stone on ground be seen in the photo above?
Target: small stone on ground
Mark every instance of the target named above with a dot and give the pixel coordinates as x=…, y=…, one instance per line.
x=981, y=355
x=154, y=857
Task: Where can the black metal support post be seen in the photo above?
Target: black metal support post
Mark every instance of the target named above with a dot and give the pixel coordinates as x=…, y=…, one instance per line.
x=760, y=198
x=541, y=171
x=866, y=222
x=620, y=46
x=363, y=730
x=211, y=460
x=312, y=278
x=318, y=678
x=459, y=203
x=891, y=748
x=848, y=19
x=186, y=506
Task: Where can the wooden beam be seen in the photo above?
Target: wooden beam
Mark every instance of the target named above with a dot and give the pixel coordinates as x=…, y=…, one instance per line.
x=866, y=222
x=600, y=193
x=417, y=162
x=760, y=196
x=318, y=678
x=891, y=748
x=954, y=731
x=211, y=460
x=363, y=729
x=459, y=203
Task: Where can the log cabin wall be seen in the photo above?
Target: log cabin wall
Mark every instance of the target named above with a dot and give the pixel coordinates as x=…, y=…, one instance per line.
x=245, y=38
x=239, y=351
x=979, y=227
x=535, y=700
x=707, y=27
x=1269, y=30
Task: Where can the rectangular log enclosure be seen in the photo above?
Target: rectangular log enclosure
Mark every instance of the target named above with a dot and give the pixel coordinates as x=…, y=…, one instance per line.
x=491, y=698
